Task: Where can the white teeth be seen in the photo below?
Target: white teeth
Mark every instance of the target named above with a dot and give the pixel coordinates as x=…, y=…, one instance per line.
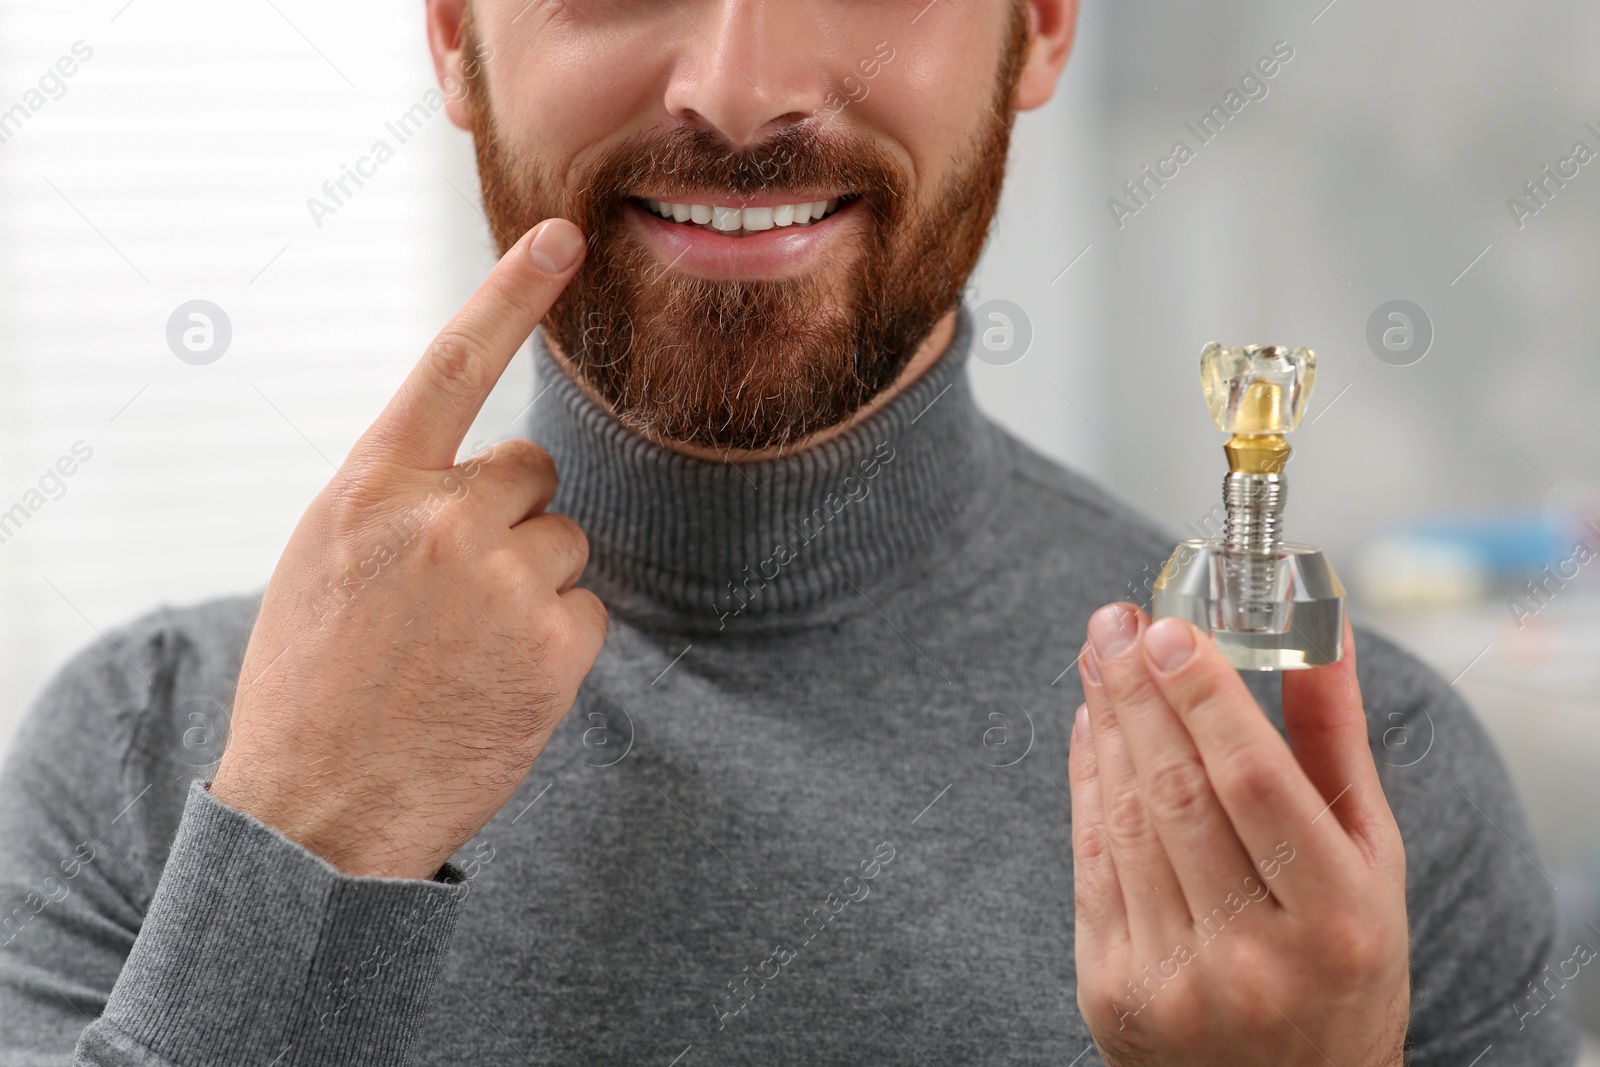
x=747, y=220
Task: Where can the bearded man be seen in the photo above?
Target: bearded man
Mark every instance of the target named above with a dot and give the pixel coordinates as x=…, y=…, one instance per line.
x=752, y=739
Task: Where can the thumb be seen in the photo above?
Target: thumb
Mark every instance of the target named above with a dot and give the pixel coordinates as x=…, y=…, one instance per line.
x=1327, y=727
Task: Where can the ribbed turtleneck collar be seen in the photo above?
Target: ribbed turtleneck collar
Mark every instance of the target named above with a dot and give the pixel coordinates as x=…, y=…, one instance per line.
x=711, y=545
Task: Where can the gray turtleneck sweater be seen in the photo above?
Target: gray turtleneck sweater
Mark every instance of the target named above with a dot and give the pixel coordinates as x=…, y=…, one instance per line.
x=810, y=807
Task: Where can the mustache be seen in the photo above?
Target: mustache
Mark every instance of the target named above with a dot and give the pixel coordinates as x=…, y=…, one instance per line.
x=686, y=160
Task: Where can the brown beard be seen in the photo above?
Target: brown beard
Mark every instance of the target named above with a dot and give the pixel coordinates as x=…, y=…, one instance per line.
x=756, y=364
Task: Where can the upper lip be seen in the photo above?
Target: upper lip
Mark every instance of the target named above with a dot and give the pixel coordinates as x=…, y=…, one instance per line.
x=726, y=200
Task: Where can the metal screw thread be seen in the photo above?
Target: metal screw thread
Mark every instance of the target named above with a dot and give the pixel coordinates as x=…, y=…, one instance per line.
x=1255, y=517
x=1255, y=511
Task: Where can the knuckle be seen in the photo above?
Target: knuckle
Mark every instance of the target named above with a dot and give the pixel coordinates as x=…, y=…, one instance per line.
x=446, y=535
x=1090, y=994
x=455, y=363
x=565, y=528
x=505, y=568
x=1180, y=1015
x=1179, y=790
x=1250, y=967
x=348, y=501
x=359, y=488
x=1253, y=779
x=568, y=539
x=1187, y=1002
x=589, y=614
x=1248, y=1011
x=601, y=617
x=1140, y=1014
x=576, y=629
x=561, y=636
x=1098, y=1002
x=519, y=452
x=1355, y=948
x=1127, y=818
x=1089, y=843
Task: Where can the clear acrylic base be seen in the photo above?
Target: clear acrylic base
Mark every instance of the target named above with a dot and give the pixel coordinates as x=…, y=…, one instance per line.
x=1266, y=613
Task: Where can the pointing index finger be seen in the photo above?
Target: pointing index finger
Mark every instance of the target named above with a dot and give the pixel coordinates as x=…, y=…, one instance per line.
x=425, y=421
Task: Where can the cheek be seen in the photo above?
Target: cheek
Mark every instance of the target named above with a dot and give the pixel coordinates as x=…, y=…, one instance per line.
x=928, y=107
x=562, y=88
x=936, y=91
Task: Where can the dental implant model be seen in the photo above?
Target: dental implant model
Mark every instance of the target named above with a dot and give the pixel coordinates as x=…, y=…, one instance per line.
x=1268, y=604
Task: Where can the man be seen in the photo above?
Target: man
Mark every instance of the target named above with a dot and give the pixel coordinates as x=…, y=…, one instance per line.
x=751, y=739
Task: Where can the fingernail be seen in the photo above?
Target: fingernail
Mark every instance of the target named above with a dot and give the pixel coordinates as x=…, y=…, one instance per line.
x=1111, y=630
x=1170, y=643
x=1080, y=726
x=555, y=248
x=1091, y=669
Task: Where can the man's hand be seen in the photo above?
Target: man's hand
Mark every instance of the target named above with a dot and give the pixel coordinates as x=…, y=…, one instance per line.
x=1239, y=900
x=421, y=637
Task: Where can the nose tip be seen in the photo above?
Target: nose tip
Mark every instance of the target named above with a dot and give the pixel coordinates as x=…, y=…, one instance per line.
x=752, y=72
x=743, y=130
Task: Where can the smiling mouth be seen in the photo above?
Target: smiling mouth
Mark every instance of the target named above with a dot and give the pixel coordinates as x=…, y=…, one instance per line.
x=743, y=222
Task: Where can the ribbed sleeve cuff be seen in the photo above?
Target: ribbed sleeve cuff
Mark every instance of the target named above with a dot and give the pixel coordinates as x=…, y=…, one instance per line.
x=255, y=947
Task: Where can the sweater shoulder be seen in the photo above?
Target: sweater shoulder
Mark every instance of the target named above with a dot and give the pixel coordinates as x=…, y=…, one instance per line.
x=1480, y=905
x=1079, y=533
x=108, y=747
x=1048, y=484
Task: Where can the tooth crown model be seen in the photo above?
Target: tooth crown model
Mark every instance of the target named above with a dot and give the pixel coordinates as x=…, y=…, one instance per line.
x=1268, y=604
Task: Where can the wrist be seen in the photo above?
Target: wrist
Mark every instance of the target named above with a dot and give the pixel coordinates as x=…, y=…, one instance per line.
x=322, y=829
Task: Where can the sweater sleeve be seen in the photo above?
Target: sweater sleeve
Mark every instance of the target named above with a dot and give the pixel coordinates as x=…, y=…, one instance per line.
x=144, y=922
x=253, y=948
x=1486, y=960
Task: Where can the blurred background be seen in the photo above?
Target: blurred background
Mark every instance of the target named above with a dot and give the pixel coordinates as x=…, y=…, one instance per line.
x=1405, y=193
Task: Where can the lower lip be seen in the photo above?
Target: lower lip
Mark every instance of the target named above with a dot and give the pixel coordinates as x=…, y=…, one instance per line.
x=774, y=253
